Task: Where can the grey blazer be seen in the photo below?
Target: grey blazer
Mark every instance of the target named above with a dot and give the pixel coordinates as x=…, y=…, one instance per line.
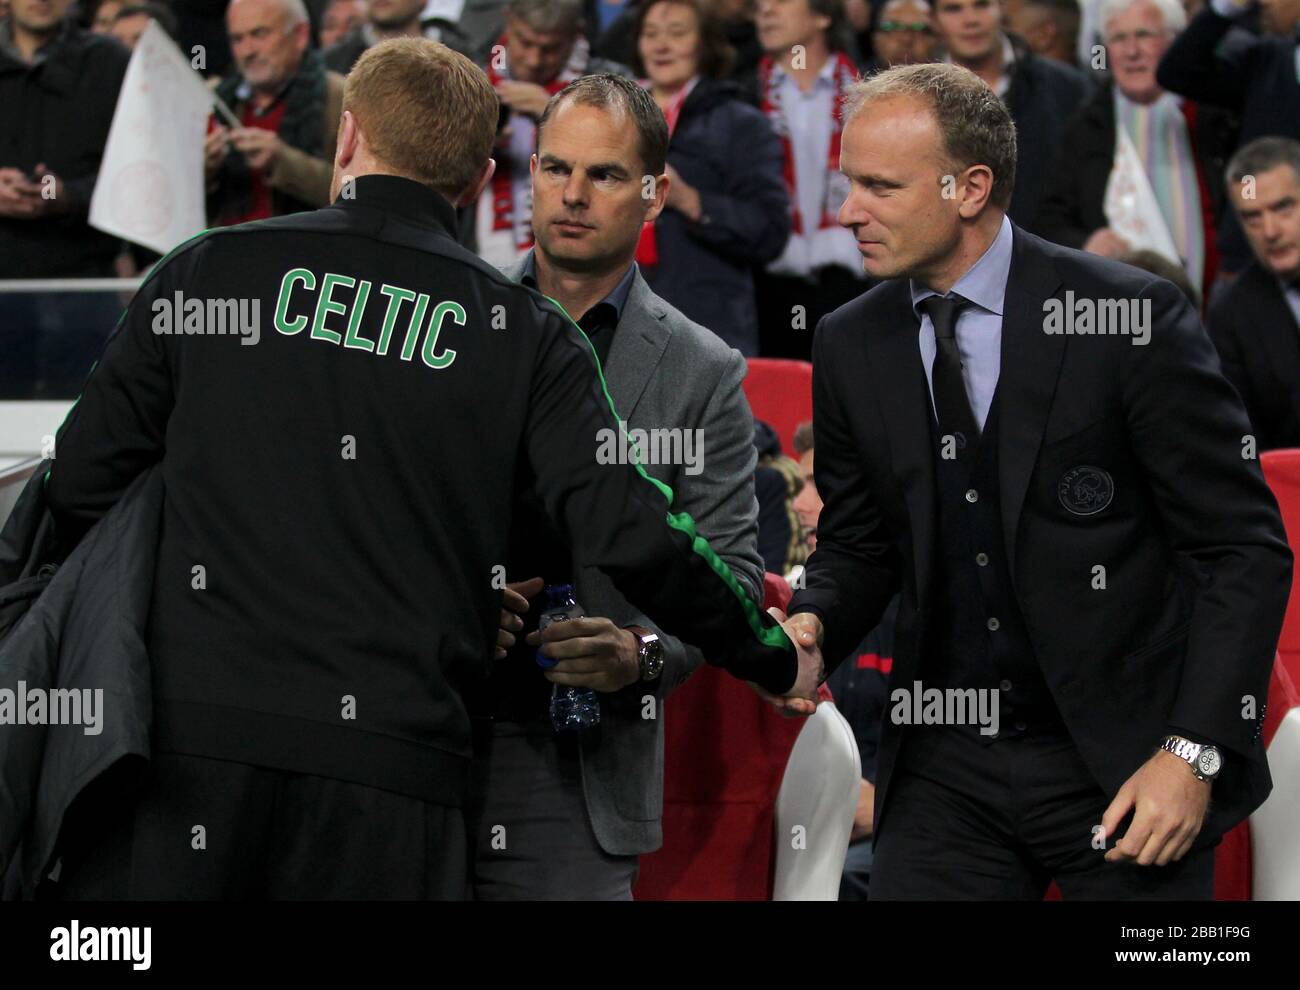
x=665, y=372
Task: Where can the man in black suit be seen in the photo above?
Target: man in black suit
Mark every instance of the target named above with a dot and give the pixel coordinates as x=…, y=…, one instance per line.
x=1093, y=576
x=1255, y=324
x=1041, y=93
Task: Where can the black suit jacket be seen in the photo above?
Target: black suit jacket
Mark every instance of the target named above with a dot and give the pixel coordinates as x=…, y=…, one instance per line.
x=1197, y=565
x=1259, y=345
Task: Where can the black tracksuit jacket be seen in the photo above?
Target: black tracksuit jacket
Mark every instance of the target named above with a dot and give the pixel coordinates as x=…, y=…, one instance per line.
x=339, y=493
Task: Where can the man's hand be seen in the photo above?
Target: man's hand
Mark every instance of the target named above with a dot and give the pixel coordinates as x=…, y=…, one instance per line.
x=805, y=631
x=683, y=198
x=215, y=149
x=863, y=814
x=527, y=98
x=514, y=603
x=1105, y=242
x=14, y=198
x=22, y=198
x=1170, y=805
x=592, y=652
x=259, y=147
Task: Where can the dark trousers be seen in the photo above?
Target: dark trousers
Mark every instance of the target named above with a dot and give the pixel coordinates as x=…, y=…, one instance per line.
x=777, y=297
x=208, y=829
x=974, y=820
x=529, y=823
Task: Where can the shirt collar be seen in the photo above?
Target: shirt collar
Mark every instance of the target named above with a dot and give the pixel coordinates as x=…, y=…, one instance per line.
x=407, y=198
x=985, y=282
x=825, y=77
x=617, y=296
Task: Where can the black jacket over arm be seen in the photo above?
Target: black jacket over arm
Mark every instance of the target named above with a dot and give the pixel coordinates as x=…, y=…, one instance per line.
x=344, y=488
x=1197, y=566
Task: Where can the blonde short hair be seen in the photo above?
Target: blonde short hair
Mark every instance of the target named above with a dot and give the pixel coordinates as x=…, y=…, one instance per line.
x=426, y=111
x=974, y=123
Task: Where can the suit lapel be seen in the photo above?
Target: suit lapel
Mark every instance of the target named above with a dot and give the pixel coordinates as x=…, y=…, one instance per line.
x=1028, y=370
x=904, y=397
x=639, y=342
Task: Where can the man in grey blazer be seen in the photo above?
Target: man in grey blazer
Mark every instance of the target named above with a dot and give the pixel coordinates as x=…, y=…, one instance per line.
x=566, y=817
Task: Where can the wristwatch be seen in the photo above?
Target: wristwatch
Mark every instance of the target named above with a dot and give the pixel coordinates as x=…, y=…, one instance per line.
x=650, y=653
x=1205, y=761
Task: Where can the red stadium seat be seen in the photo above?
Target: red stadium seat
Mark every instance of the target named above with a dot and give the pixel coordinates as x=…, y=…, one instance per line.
x=1235, y=876
x=1282, y=472
x=780, y=394
x=725, y=752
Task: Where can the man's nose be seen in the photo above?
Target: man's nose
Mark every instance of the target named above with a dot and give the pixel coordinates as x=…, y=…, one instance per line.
x=575, y=190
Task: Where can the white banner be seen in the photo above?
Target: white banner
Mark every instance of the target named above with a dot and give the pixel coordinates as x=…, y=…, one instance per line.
x=150, y=186
x=1130, y=204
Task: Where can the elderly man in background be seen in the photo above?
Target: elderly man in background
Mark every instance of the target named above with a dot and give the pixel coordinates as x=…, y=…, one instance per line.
x=278, y=160
x=1255, y=324
x=1182, y=146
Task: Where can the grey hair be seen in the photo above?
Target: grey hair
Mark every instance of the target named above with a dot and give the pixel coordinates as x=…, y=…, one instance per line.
x=548, y=16
x=1263, y=155
x=1171, y=12
x=974, y=123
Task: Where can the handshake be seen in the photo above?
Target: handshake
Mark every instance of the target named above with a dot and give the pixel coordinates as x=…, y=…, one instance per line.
x=593, y=652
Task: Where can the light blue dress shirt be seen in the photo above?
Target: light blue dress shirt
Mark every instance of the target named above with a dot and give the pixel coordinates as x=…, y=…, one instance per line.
x=979, y=325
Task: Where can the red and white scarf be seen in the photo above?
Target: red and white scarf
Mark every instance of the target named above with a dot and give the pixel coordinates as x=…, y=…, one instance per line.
x=503, y=225
x=844, y=75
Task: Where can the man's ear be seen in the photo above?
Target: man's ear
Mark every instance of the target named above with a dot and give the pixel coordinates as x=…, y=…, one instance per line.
x=658, y=184
x=345, y=152
x=475, y=189
x=348, y=142
x=977, y=192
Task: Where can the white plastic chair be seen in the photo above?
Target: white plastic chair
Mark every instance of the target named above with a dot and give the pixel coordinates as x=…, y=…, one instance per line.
x=815, y=807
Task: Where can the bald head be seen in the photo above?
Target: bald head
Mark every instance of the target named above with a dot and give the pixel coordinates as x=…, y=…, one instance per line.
x=268, y=39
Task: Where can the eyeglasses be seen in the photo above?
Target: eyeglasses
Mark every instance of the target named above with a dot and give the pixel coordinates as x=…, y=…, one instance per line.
x=1141, y=37
x=890, y=27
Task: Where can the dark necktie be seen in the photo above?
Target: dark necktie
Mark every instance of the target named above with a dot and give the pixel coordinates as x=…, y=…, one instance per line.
x=950, y=399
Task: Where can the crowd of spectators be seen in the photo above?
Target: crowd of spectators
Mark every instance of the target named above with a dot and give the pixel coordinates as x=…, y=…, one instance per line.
x=749, y=244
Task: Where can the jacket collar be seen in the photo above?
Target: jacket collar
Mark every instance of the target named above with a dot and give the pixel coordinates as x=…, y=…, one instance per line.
x=639, y=341
x=407, y=198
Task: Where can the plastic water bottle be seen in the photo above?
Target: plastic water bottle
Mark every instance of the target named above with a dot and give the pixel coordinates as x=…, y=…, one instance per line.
x=572, y=708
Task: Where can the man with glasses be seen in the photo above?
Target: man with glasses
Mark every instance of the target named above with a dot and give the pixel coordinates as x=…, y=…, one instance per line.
x=1182, y=147
x=901, y=34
